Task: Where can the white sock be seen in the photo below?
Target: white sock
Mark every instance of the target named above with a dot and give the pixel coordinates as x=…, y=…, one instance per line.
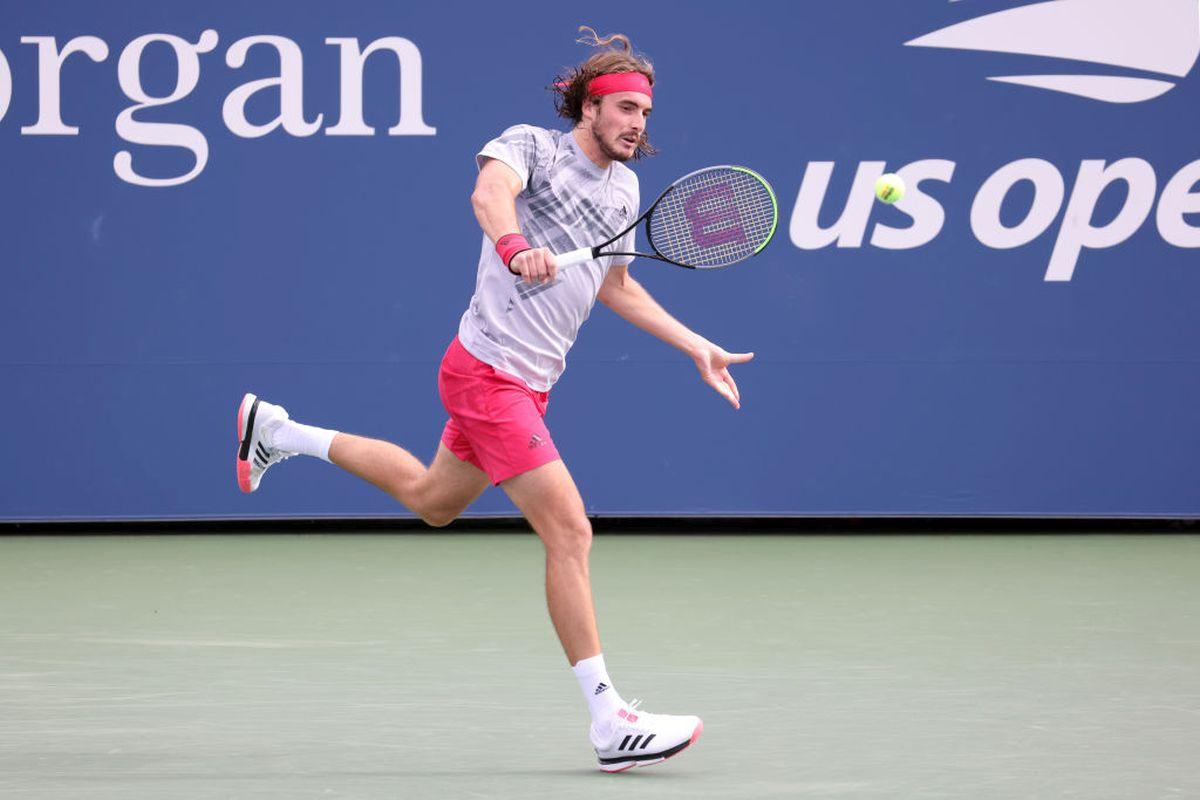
x=602, y=699
x=306, y=440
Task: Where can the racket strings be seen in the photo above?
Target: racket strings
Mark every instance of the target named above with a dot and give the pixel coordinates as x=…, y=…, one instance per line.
x=714, y=218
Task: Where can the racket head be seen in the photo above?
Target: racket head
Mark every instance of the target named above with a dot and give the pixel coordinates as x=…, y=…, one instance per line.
x=713, y=217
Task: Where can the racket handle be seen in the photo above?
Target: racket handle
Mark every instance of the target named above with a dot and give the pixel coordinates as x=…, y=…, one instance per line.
x=573, y=257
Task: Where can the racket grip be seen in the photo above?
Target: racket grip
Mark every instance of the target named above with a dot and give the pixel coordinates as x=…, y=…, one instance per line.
x=573, y=257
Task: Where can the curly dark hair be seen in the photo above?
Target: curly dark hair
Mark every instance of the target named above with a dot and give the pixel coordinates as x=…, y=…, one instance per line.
x=616, y=55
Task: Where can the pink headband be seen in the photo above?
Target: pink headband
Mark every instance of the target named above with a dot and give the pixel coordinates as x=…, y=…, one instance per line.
x=620, y=82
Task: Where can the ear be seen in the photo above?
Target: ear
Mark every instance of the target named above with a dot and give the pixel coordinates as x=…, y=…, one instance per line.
x=591, y=108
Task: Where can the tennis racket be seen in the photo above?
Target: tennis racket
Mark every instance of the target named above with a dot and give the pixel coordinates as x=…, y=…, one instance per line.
x=711, y=218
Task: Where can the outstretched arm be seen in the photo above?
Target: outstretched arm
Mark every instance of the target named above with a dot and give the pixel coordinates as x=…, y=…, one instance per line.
x=630, y=300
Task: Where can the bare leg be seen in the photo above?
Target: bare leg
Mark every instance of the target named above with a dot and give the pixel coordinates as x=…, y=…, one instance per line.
x=549, y=499
x=438, y=493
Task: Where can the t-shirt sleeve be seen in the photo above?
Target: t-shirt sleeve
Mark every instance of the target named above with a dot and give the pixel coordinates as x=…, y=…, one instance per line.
x=625, y=244
x=628, y=242
x=519, y=147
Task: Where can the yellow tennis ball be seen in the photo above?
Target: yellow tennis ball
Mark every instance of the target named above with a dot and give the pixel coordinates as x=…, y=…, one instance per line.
x=889, y=188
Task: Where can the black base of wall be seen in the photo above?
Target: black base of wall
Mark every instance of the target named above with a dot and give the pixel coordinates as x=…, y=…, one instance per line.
x=618, y=525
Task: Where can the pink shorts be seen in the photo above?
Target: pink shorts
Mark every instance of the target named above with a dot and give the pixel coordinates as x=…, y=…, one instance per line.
x=495, y=419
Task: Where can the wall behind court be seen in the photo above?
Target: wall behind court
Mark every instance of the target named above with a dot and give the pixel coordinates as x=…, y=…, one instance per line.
x=1018, y=338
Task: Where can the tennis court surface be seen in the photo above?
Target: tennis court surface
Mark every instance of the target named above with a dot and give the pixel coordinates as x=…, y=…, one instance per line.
x=424, y=666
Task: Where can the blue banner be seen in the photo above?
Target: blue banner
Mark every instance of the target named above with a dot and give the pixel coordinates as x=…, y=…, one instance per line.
x=207, y=199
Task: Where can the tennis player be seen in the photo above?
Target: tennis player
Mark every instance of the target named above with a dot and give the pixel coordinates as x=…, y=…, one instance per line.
x=538, y=192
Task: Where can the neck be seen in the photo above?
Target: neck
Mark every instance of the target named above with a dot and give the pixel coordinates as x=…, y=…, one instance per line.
x=590, y=147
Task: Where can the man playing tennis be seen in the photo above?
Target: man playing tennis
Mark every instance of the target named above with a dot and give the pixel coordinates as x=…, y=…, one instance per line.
x=538, y=192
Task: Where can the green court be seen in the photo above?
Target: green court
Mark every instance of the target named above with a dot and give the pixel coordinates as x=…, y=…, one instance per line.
x=424, y=666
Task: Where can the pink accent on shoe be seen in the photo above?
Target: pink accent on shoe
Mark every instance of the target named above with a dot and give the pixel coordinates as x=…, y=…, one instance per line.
x=243, y=475
x=621, y=769
x=696, y=733
x=632, y=718
x=622, y=713
x=243, y=467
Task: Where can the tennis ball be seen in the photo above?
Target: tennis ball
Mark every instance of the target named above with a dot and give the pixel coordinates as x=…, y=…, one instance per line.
x=889, y=188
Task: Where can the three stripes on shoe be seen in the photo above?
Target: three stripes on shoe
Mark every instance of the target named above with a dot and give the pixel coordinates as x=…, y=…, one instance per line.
x=261, y=456
x=626, y=744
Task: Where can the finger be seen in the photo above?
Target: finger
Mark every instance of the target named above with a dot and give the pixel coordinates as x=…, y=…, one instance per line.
x=731, y=383
x=539, y=265
x=551, y=266
x=524, y=266
x=724, y=391
x=728, y=395
x=740, y=358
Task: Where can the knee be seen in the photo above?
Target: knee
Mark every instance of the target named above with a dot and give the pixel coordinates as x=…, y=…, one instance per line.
x=431, y=504
x=438, y=518
x=570, y=540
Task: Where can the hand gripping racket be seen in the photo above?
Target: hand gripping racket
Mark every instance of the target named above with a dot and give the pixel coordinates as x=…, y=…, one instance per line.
x=711, y=218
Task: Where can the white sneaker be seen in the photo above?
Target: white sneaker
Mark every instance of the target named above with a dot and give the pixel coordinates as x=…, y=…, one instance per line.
x=255, y=421
x=639, y=739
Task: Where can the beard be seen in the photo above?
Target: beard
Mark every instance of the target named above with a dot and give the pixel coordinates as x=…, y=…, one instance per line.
x=610, y=151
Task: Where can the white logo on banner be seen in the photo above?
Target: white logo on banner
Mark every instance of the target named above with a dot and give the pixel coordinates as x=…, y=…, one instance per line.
x=1160, y=36
x=287, y=87
x=1081, y=227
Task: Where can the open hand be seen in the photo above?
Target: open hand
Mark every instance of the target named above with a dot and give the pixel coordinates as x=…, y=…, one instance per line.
x=713, y=363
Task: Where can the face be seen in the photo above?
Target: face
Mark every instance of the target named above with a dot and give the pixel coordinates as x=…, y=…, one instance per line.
x=618, y=123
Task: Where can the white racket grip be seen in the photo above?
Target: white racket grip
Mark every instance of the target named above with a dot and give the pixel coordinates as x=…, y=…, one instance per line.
x=573, y=257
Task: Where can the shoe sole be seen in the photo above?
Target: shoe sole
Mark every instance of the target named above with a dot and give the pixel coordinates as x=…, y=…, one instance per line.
x=245, y=432
x=657, y=758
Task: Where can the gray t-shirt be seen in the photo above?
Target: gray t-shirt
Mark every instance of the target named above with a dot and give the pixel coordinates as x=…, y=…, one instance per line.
x=566, y=202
